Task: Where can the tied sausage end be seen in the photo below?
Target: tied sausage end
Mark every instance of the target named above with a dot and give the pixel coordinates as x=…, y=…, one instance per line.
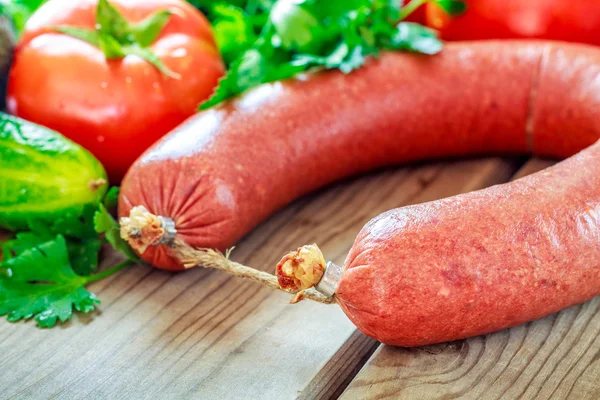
x=301, y=269
x=143, y=229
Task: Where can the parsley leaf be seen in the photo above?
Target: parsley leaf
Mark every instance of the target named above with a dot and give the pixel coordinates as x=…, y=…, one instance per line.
x=233, y=30
x=22, y=241
x=105, y=223
x=111, y=199
x=452, y=7
x=40, y=283
x=299, y=35
x=415, y=37
x=295, y=25
x=76, y=225
x=83, y=252
x=236, y=24
x=43, y=276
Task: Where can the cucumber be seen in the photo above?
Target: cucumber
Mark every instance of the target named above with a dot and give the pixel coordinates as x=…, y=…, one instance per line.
x=45, y=179
x=7, y=43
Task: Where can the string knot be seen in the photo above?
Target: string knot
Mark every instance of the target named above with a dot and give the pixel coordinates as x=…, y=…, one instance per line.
x=143, y=229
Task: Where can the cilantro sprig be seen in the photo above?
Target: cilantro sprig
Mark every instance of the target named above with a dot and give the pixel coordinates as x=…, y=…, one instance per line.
x=41, y=283
x=106, y=224
x=236, y=23
x=43, y=274
x=299, y=35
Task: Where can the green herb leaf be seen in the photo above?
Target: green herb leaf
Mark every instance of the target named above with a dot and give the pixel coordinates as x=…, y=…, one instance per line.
x=247, y=72
x=83, y=252
x=452, y=7
x=237, y=24
x=233, y=30
x=415, y=37
x=333, y=60
x=19, y=11
x=40, y=283
x=83, y=242
x=296, y=27
x=299, y=35
x=83, y=255
x=112, y=198
x=21, y=242
x=250, y=70
x=76, y=225
x=105, y=223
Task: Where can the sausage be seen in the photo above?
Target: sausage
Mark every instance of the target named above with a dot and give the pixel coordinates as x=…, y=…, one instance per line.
x=478, y=262
x=228, y=168
x=470, y=264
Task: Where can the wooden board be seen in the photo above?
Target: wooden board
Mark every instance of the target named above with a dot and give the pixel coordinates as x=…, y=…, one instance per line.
x=202, y=334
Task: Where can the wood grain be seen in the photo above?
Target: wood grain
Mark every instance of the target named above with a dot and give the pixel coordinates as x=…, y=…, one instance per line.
x=202, y=334
x=552, y=358
x=556, y=357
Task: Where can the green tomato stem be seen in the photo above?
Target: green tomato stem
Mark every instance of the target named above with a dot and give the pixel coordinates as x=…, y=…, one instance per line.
x=117, y=38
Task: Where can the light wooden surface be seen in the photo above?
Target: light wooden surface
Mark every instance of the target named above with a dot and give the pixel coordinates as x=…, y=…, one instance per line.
x=204, y=335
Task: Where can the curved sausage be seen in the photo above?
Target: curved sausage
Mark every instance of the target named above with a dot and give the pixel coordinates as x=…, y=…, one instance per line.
x=478, y=262
x=226, y=169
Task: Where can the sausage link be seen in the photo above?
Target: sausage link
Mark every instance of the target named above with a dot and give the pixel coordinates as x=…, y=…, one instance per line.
x=478, y=262
x=227, y=169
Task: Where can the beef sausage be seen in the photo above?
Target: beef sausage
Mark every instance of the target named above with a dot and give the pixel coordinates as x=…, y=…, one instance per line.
x=478, y=262
x=228, y=168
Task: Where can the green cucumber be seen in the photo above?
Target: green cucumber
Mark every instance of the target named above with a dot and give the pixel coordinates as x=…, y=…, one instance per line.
x=45, y=179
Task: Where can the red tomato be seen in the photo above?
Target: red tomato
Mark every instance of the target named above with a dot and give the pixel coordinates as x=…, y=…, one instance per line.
x=114, y=108
x=569, y=20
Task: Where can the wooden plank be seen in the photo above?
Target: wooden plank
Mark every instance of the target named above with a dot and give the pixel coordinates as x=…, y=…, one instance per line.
x=202, y=334
x=552, y=358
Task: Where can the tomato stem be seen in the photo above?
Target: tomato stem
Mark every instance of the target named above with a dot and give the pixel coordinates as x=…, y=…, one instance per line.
x=118, y=38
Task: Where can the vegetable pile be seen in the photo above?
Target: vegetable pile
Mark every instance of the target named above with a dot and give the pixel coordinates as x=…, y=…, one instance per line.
x=136, y=69
x=113, y=76
x=53, y=193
